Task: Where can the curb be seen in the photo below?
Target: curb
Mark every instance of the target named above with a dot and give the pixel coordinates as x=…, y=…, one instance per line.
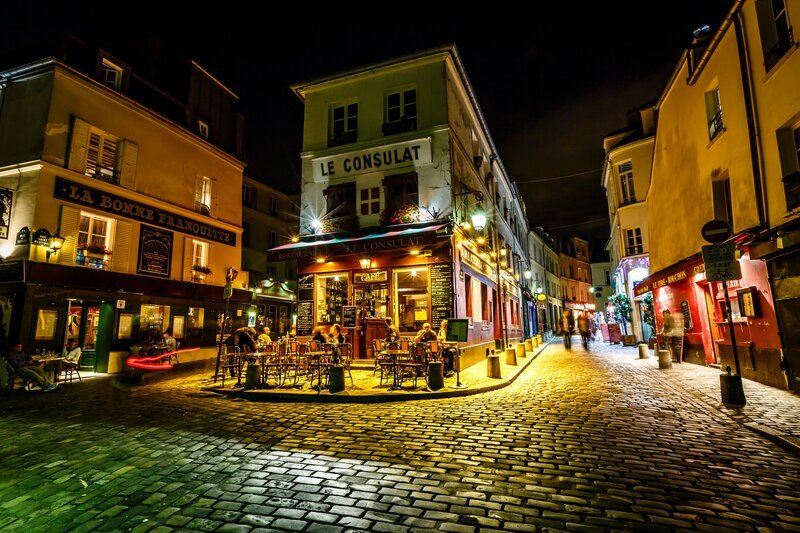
x=776, y=437
x=382, y=398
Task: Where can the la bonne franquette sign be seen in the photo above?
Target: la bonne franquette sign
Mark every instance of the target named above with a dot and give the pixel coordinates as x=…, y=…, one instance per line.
x=387, y=157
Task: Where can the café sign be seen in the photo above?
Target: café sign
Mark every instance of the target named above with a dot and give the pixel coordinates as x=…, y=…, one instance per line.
x=388, y=157
x=321, y=249
x=117, y=205
x=658, y=281
x=369, y=277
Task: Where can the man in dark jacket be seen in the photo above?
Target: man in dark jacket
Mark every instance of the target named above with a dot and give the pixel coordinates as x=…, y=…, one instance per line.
x=24, y=367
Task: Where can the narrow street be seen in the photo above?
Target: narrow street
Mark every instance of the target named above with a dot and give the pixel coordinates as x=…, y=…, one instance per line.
x=579, y=441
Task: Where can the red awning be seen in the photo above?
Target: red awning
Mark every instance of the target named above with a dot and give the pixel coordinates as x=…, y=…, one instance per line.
x=680, y=271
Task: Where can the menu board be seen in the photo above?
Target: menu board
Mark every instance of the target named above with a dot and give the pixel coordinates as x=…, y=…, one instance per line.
x=614, y=333
x=305, y=288
x=305, y=318
x=441, y=293
x=155, y=252
x=687, y=315
x=348, y=316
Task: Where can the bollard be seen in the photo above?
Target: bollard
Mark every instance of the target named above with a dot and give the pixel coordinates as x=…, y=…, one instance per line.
x=520, y=350
x=732, y=390
x=664, y=359
x=253, y=377
x=644, y=351
x=528, y=345
x=493, y=366
x=435, y=375
x=538, y=339
x=336, y=379
x=511, y=356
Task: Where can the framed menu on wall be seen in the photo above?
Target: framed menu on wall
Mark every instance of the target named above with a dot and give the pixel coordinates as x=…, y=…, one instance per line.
x=441, y=293
x=155, y=252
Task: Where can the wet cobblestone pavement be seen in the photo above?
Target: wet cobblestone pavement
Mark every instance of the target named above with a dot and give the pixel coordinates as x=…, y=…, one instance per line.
x=579, y=442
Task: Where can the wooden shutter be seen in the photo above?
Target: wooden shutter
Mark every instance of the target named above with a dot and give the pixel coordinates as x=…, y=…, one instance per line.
x=80, y=140
x=766, y=26
x=68, y=228
x=121, y=253
x=188, y=251
x=128, y=156
x=787, y=151
x=198, y=193
x=210, y=262
x=213, y=207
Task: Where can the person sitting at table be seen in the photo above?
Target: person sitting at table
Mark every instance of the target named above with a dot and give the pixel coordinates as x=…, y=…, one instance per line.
x=425, y=334
x=169, y=341
x=392, y=333
x=319, y=336
x=264, y=338
x=448, y=350
x=71, y=355
x=335, y=334
x=241, y=338
x=23, y=366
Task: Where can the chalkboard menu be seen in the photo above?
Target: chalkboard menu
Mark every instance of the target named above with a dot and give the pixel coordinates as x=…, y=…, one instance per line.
x=305, y=318
x=348, y=316
x=614, y=333
x=687, y=316
x=305, y=288
x=441, y=293
x=155, y=252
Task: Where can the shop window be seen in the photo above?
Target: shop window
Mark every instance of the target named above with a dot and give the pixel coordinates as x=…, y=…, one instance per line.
x=722, y=200
x=46, y=320
x=178, y=326
x=401, y=112
x=369, y=201
x=153, y=320
x=344, y=124
x=776, y=33
x=332, y=294
x=412, y=295
x=194, y=321
x=125, y=326
x=205, y=198
x=714, y=113
x=401, y=190
x=94, y=241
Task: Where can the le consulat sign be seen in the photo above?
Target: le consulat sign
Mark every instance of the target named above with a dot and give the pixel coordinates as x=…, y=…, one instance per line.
x=117, y=205
x=391, y=156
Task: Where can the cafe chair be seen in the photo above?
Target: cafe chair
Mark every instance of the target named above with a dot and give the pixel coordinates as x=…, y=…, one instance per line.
x=13, y=380
x=433, y=350
x=274, y=364
x=231, y=361
x=294, y=363
x=408, y=367
x=69, y=369
x=346, y=358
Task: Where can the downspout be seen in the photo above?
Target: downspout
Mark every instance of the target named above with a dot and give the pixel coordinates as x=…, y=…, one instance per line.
x=752, y=121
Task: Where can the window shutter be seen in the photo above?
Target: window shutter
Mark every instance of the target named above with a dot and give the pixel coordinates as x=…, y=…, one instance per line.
x=711, y=106
x=128, y=156
x=68, y=228
x=188, y=250
x=787, y=151
x=80, y=140
x=766, y=26
x=212, y=265
x=121, y=254
x=213, y=207
x=198, y=193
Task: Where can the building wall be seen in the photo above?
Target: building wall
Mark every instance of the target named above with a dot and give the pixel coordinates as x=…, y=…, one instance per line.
x=600, y=272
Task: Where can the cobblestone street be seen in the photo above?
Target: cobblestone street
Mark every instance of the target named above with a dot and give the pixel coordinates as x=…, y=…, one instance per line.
x=579, y=441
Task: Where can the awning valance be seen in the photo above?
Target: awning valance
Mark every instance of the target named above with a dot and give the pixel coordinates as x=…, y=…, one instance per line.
x=377, y=240
x=680, y=271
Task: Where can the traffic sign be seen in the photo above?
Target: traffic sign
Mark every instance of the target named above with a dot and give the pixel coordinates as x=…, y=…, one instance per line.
x=720, y=261
x=715, y=231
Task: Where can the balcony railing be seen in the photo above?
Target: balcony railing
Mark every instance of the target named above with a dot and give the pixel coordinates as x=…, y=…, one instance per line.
x=715, y=125
x=634, y=250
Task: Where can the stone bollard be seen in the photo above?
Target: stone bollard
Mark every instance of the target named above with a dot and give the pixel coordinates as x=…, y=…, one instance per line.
x=511, y=356
x=664, y=359
x=252, y=378
x=336, y=379
x=520, y=350
x=493, y=366
x=528, y=345
x=732, y=390
x=644, y=351
x=538, y=339
x=435, y=375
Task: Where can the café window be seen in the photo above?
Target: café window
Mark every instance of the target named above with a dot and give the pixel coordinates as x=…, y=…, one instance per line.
x=153, y=319
x=332, y=294
x=46, y=320
x=401, y=190
x=369, y=201
x=344, y=124
x=194, y=322
x=412, y=297
x=95, y=234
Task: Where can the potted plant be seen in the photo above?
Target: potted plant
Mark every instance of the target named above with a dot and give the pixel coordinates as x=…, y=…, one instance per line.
x=622, y=314
x=202, y=269
x=405, y=213
x=93, y=249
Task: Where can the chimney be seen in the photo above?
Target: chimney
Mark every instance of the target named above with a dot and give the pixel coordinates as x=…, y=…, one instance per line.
x=700, y=39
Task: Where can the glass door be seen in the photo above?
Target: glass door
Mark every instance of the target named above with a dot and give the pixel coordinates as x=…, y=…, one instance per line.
x=412, y=300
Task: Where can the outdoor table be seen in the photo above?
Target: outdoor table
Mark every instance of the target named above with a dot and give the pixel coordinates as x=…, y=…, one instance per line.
x=393, y=354
x=317, y=355
x=48, y=365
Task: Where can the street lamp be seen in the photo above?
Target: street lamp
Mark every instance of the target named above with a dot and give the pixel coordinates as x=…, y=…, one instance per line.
x=478, y=218
x=54, y=244
x=528, y=274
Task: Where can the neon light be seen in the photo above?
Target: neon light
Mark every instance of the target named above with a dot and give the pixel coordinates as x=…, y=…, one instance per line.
x=149, y=363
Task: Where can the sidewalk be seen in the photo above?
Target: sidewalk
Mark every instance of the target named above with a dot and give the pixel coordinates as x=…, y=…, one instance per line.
x=771, y=412
x=366, y=387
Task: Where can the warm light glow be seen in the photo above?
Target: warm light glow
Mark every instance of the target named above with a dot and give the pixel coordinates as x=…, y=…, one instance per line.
x=55, y=242
x=413, y=251
x=528, y=274
x=466, y=225
x=493, y=253
x=504, y=263
x=414, y=273
x=479, y=218
x=258, y=290
x=539, y=290
x=320, y=260
x=295, y=238
x=503, y=252
x=152, y=363
x=335, y=278
x=365, y=262
x=316, y=223
x=6, y=249
x=484, y=255
x=481, y=240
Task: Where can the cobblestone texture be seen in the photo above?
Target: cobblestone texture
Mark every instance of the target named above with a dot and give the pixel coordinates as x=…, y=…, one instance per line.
x=580, y=441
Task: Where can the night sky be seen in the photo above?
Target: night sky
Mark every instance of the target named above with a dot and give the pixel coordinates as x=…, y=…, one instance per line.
x=551, y=79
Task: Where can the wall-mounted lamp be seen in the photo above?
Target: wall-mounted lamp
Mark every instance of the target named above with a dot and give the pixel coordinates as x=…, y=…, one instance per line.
x=365, y=262
x=479, y=215
x=528, y=274
x=54, y=244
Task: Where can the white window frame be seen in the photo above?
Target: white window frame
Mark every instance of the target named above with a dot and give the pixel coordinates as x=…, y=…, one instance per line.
x=633, y=240
x=199, y=253
x=403, y=106
x=108, y=240
x=111, y=74
x=202, y=127
x=626, y=185
x=204, y=196
x=347, y=108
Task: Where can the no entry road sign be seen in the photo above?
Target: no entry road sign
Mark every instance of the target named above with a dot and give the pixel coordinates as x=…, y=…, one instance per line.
x=715, y=231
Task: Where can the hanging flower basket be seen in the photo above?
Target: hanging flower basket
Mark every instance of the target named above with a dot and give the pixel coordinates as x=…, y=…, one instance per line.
x=406, y=213
x=202, y=269
x=98, y=249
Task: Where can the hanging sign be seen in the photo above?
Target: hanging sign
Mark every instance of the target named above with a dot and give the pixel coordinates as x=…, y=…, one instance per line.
x=24, y=236
x=6, y=196
x=369, y=277
x=41, y=237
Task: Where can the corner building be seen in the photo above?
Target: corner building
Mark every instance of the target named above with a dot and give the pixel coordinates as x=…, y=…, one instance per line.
x=396, y=160
x=145, y=197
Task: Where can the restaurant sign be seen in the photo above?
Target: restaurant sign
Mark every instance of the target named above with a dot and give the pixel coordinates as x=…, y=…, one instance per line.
x=369, y=277
x=321, y=249
x=416, y=153
x=662, y=280
x=117, y=205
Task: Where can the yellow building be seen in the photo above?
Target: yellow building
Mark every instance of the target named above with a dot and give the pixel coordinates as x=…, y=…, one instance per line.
x=396, y=159
x=727, y=149
x=120, y=218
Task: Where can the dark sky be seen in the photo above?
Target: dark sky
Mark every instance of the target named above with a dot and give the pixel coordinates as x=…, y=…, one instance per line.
x=551, y=77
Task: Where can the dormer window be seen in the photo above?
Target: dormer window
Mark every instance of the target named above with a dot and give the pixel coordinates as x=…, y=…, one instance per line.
x=111, y=74
x=202, y=128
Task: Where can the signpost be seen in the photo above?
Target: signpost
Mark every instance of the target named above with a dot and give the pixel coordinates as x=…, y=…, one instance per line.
x=230, y=275
x=721, y=265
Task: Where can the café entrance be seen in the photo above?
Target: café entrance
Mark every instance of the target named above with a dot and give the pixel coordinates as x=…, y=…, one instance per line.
x=85, y=323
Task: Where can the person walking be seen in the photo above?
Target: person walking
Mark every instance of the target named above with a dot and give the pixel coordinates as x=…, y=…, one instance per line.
x=668, y=331
x=566, y=326
x=585, y=329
